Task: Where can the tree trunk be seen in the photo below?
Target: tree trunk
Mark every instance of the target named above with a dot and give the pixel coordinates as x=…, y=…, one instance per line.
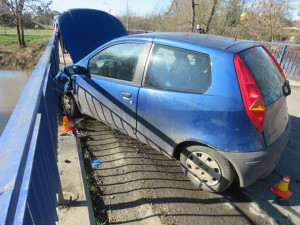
x=211, y=16
x=18, y=32
x=193, y=15
x=22, y=33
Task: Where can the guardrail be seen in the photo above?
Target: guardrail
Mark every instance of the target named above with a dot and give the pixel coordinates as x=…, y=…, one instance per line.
x=287, y=55
x=29, y=178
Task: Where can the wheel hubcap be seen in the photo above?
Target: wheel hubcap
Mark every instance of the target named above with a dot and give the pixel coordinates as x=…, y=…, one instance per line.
x=204, y=167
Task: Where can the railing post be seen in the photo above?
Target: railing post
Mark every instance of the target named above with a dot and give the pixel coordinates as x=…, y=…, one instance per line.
x=282, y=54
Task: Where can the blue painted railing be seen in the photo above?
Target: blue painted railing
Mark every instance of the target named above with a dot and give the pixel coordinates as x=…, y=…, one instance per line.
x=29, y=179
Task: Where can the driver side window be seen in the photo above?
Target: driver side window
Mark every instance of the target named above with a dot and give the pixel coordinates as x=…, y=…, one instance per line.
x=117, y=62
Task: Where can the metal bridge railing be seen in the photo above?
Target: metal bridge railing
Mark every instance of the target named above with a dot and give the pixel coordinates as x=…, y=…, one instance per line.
x=29, y=178
x=287, y=55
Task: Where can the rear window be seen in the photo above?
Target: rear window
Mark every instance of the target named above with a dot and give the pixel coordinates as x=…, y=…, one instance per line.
x=264, y=72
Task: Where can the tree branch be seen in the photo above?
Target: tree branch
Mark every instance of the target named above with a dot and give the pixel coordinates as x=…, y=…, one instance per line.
x=211, y=16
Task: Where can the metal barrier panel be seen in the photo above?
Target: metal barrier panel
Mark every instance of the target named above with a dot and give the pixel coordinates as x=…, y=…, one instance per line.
x=29, y=179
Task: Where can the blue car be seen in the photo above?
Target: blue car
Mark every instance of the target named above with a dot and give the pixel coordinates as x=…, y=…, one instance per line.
x=216, y=104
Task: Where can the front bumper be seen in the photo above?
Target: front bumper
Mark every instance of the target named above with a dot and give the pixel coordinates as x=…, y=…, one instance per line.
x=251, y=166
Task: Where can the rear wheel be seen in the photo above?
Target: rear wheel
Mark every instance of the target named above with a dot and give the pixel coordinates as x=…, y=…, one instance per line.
x=69, y=107
x=206, y=168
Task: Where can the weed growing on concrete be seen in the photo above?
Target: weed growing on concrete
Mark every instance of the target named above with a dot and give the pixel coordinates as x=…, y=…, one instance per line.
x=98, y=222
x=93, y=181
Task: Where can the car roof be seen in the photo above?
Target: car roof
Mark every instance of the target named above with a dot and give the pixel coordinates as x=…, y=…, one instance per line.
x=219, y=42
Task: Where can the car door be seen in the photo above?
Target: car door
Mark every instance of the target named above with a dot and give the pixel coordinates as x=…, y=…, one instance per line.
x=168, y=102
x=110, y=95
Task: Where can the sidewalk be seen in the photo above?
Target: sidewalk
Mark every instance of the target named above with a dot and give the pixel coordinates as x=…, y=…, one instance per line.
x=78, y=209
x=294, y=84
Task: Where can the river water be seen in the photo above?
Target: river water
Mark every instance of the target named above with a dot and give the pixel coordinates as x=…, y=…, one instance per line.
x=11, y=86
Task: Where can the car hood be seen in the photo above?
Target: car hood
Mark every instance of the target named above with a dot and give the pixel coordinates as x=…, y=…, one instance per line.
x=83, y=30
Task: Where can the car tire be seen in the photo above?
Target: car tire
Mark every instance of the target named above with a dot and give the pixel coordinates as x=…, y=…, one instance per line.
x=68, y=105
x=206, y=168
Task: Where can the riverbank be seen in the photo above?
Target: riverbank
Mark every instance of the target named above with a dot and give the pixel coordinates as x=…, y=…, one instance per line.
x=14, y=58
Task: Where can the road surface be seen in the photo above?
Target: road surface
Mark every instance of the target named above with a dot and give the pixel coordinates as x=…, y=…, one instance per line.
x=139, y=185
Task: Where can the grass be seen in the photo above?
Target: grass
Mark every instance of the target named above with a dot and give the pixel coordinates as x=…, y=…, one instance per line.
x=93, y=180
x=12, y=39
x=8, y=39
x=31, y=36
x=98, y=222
x=13, y=57
x=11, y=30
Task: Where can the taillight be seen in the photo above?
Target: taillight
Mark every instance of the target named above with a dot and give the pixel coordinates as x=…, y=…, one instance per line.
x=276, y=63
x=251, y=96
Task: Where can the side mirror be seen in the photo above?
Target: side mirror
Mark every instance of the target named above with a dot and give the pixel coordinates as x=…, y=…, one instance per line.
x=75, y=69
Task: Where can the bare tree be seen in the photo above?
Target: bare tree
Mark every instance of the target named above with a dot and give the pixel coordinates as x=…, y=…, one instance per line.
x=212, y=12
x=265, y=19
x=18, y=7
x=193, y=14
x=248, y=19
x=188, y=14
x=179, y=15
x=229, y=17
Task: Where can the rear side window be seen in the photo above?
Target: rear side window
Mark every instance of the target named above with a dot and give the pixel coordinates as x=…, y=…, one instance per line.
x=264, y=72
x=178, y=69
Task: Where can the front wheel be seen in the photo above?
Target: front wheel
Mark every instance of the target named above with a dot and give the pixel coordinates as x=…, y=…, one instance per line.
x=68, y=104
x=206, y=168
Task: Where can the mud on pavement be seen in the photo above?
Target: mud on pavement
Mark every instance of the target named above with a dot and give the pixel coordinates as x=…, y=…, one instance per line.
x=139, y=185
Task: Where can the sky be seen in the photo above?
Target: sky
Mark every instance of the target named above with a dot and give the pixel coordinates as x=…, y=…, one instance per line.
x=117, y=7
x=295, y=13
x=136, y=7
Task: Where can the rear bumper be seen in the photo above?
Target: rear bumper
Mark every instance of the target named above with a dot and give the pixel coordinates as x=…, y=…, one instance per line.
x=251, y=166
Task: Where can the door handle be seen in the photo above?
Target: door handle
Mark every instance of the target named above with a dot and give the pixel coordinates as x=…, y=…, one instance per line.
x=126, y=94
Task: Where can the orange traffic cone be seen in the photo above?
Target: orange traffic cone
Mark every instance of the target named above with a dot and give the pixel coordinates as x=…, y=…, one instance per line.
x=282, y=188
x=66, y=125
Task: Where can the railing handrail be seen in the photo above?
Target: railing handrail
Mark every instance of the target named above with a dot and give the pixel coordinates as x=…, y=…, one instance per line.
x=15, y=139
